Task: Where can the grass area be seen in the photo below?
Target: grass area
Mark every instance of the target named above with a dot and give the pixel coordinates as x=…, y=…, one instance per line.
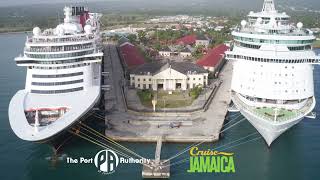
x=165, y=100
x=316, y=44
x=270, y=112
x=145, y=97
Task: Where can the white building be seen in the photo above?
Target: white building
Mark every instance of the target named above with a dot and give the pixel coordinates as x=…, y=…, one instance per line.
x=185, y=53
x=202, y=41
x=165, y=52
x=168, y=76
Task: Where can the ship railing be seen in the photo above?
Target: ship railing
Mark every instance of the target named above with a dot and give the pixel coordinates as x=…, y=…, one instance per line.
x=57, y=48
x=65, y=55
x=35, y=40
x=281, y=32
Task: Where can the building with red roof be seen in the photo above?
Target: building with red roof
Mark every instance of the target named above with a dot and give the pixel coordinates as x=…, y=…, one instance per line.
x=131, y=55
x=214, y=59
x=187, y=40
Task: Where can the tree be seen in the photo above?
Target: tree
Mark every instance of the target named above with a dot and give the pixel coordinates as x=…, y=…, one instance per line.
x=132, y=38
x=142, y=36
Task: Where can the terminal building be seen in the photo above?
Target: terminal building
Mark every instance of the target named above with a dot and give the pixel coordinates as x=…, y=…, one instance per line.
x=168, y=76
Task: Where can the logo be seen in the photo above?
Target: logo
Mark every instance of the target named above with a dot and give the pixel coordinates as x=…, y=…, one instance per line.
x=106, y=161
x=210, y=161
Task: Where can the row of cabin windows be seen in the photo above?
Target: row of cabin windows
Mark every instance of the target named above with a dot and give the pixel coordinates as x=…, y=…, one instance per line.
x=57, y=62
x=295, y=48
x=57, y=83
x=61, y=40
x=300, y=48
x=59, y=48
x=57, y=91
x=231, y=56
x=57, y=75
x=270, y=41
x=251, y=46
x=63, y=55
x=60, y=67
x=286, y=91
x=284, y=67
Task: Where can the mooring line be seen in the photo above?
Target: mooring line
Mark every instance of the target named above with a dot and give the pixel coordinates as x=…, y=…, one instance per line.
x=99, y=143
x=98, y=134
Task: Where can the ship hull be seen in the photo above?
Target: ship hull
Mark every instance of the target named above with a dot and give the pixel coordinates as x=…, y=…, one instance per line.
x=52, y=132
x=269, y=130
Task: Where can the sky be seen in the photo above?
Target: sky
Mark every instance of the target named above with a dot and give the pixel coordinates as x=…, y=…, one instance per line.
x=22, y=2
x=3, y=3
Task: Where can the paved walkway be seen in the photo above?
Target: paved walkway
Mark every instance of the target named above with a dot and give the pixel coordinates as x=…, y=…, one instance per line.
x=188, y=127
x=114, y=79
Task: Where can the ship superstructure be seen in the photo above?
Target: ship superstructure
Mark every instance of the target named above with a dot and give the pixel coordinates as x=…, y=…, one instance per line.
x=63, y=76
x=273, y=60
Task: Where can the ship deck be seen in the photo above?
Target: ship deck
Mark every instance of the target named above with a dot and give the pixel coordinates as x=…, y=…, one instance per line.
x=275, y=114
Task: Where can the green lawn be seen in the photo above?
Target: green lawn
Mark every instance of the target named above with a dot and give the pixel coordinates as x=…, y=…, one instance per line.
x=165, y=100
x=270, y=112
x=316, y=44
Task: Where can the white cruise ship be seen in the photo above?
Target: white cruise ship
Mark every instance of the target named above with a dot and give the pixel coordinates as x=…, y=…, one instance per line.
x=272, y=82
x=63, y=77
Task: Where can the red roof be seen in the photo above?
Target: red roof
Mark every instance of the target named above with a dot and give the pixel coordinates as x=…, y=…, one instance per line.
x=131, y=55
x=214, y=56
x=187, y=40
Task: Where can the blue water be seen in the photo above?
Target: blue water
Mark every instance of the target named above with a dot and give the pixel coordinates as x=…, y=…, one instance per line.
x=295, y=155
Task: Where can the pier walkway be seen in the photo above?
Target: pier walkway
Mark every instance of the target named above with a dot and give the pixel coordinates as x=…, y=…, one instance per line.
x=157, y=168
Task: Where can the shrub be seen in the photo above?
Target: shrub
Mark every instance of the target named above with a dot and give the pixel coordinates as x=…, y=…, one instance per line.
x=145, y=95
x=195, y=92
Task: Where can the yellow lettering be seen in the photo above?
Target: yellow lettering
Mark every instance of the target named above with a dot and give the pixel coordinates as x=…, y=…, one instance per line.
x=192, y=151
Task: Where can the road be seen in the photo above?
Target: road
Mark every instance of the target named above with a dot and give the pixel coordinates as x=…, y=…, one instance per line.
x=114, y=79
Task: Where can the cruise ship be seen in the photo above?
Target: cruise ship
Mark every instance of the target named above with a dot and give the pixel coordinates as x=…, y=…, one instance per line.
x=272, y=83
x=63, y=77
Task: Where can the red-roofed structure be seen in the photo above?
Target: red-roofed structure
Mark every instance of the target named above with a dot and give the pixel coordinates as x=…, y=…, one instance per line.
x=212, y=61
x=187, y=40
x=131, y=55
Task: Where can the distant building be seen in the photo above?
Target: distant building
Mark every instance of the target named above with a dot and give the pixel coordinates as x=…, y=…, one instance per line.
x=187, y=40
x=185, y=53
x=214, y=59
x=194, y=40
x=203, y=41
x=130, y=54
x=165, y=52
x=123, y=40
x=168, y=76
x=219, y=28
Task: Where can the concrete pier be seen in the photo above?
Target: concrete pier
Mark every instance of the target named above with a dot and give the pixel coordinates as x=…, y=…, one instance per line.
x=172, y=127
